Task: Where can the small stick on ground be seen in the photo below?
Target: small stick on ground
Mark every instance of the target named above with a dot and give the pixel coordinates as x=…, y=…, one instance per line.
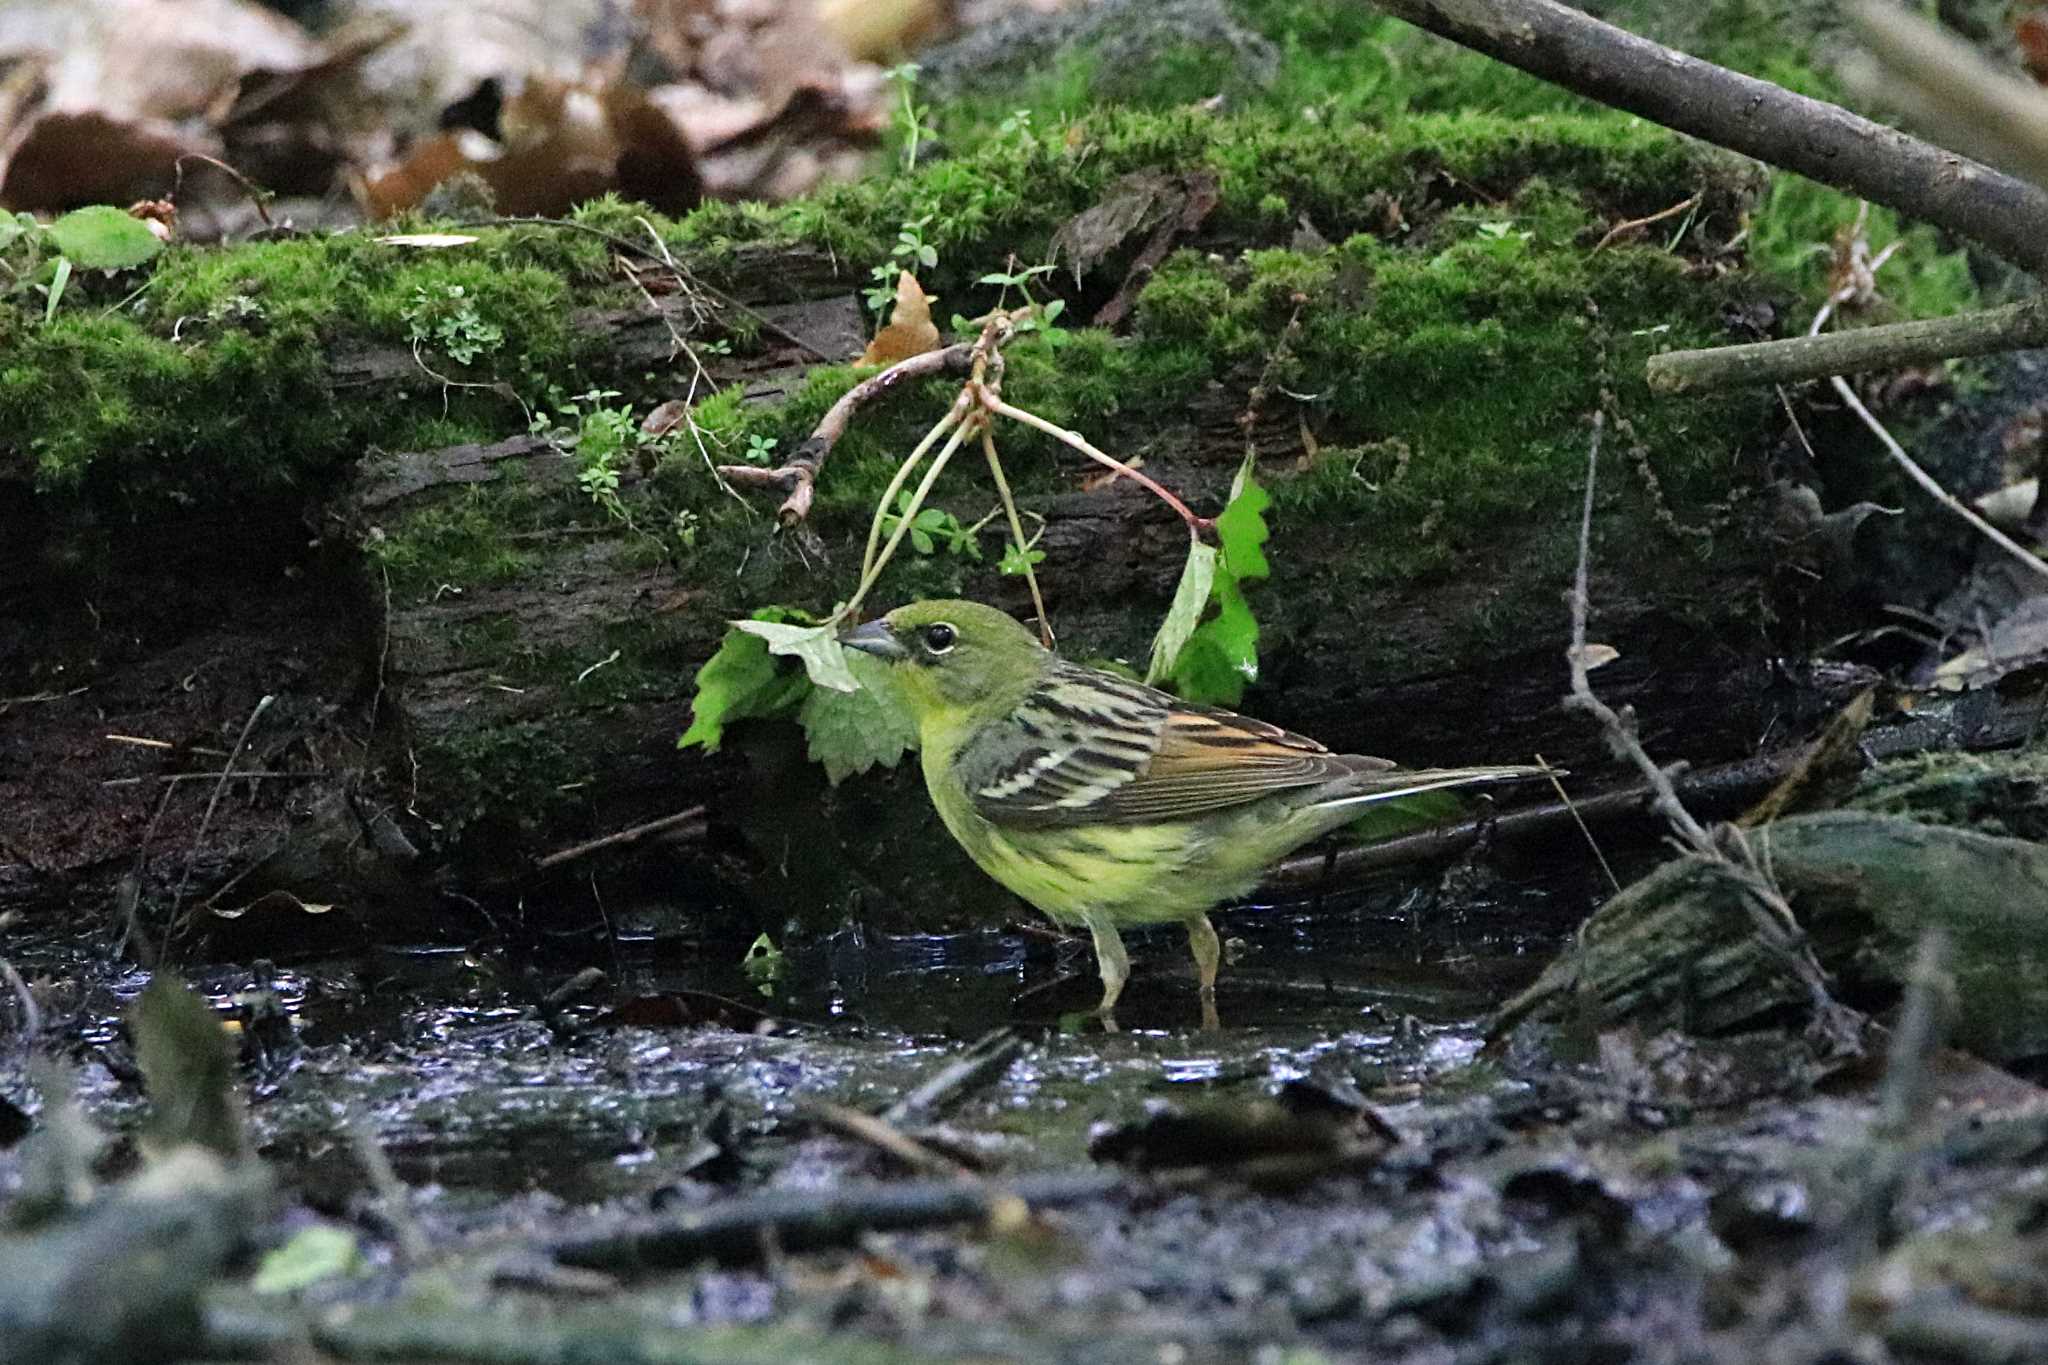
x=989, y=1057
x=883, y=1136
x=621, y=838
x=227, y=771
x=1637, y=224
x=1891, y=346
x=1932, y=487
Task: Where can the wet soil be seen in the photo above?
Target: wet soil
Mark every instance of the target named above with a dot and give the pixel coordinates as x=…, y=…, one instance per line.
x=1637, y=1198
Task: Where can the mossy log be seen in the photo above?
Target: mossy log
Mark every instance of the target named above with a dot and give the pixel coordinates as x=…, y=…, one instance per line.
x=477, y=648
x=1677, y=948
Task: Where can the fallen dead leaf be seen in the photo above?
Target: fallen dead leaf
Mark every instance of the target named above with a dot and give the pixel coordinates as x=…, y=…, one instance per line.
x=911, y=330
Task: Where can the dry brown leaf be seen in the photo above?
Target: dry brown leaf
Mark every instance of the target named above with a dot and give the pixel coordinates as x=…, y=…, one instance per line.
x=562, y=144
x=911, y=330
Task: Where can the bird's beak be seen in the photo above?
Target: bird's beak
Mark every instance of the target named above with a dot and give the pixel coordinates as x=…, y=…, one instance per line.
x=877, y=639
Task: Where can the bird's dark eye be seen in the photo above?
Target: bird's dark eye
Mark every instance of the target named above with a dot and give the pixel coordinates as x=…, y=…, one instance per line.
x=939, y=637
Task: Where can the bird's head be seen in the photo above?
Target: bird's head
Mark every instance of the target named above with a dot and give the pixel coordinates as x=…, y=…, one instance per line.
x=953, y=660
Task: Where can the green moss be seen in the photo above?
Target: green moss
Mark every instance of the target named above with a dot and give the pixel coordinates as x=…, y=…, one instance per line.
x=212, y=383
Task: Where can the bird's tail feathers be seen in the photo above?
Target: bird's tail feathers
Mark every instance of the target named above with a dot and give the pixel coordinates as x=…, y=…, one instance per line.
x=1391, y=785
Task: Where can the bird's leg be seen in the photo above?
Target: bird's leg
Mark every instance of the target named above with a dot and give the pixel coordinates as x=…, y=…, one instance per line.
x=1208, y=955
x=1113, y=962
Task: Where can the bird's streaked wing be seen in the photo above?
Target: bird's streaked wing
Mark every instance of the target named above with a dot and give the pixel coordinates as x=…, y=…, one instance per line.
x=1091, y=748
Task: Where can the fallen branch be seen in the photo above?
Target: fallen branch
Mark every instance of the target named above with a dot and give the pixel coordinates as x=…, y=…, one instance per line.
x=736, y=1231
x=1819, y=140
x=1890, y=347
x=1724, y=789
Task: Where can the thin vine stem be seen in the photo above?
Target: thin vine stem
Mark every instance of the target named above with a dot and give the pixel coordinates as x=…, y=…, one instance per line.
x=952, y=418
x=995, y=472
x=1196, y=525
x=924, y=488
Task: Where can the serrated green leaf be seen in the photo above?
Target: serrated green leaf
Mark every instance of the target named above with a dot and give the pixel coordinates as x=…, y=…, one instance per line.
x=320, y=1252
x=850, y=732
x=1221, y=658
x=817, y=647
x=188, y=1070
x=102, y=237
x=1189, y=601
x=741, y=681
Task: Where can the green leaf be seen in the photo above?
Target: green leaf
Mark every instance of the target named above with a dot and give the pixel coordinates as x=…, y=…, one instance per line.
x=919, y=541
x=104, y=238
x=188, y=1070
x=1242, y=527
x=850, y=732
x=60, y=275
x=764, y=964
x=816, y=646
x=320, y=1252
x=1189, y=600
x=1220, y=656
x=741, y=681
x=1017, y=559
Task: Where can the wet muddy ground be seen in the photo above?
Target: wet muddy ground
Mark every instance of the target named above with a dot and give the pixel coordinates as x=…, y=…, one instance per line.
x=1340, y=1172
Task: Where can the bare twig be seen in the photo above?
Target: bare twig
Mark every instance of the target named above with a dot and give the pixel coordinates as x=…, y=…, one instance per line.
x=883, y=1136
x=258, y=196
x=1932, y=487
x=621, y=838
x=632, y=248
x=1950, y=89
x=1888, y=347
x=227, y=771
x=799, y=473
x=1196, y=525
x=989, y=1057
x=1777, y=928
x=1637, y=224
